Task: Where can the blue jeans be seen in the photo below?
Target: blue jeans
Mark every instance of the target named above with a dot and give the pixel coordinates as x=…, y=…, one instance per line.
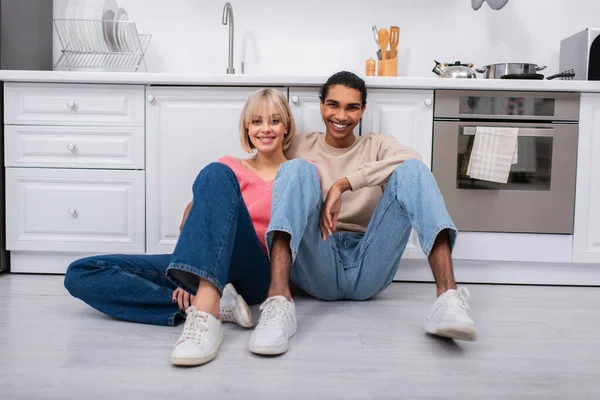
x=352, y=265
x=217, y=243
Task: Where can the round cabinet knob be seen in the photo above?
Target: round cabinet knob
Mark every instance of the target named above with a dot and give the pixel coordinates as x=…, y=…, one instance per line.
x=71, y=147
x=150, y=98
x=428, y=102
x=71, y=103
x=295, y=99
x=72, y=211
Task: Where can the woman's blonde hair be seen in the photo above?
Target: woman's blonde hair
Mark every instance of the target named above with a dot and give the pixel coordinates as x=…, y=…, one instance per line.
x=276, y=103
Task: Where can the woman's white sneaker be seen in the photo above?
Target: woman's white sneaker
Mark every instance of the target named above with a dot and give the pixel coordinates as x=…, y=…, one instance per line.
x=276, y=326
x=448, y=316
x=234, y=308
x=200, y=341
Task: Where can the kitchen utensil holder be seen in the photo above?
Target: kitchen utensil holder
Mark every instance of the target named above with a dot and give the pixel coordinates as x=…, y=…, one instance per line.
x=101, y=44
x=389, y=66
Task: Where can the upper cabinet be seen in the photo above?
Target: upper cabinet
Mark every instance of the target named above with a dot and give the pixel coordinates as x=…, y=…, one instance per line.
x=586, y=236
x=406, y=114
x=186, y=129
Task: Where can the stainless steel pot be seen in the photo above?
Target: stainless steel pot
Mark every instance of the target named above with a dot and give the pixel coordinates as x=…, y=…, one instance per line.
x=496, y=71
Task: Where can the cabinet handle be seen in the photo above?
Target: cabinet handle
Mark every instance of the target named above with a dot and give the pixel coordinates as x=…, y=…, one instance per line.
x=71, y=147
x=72, y=211
x=71, y=103
x=295, y=99
x=428, y=102
x=150, y=98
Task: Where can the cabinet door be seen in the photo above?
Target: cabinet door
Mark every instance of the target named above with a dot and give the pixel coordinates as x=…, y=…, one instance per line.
x=586, y=235
x=71, y=210
x=405, y=114
x=186, y=129
x=408, y=115
x=304, y=103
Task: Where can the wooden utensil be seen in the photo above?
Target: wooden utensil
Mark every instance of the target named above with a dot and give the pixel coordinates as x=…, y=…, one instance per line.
x=394, y=40
x=383, y=37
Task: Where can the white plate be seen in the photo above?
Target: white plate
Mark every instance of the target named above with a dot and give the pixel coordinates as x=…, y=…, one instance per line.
x=108, y=29
x=109, y=10
x=81, y=31
x=121, y=28
x=71, y=8
x=92, y=14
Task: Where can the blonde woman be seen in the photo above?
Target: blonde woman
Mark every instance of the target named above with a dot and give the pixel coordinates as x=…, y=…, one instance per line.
x=221, y=247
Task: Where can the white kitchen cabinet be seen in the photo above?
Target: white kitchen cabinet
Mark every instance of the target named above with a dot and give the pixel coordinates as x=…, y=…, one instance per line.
x=75, y=180
x=70, y=210
x=74, y=147
x=586, y=236
x=73, y=104
x=407, y=115
x=186, y=129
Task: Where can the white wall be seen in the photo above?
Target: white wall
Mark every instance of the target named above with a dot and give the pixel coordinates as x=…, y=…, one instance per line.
x=313, y=37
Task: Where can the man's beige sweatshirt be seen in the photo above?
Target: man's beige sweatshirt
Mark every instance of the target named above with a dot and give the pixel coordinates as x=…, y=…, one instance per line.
x=367, y=164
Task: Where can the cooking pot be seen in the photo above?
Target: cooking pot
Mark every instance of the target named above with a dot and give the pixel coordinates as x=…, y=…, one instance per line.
x=497, y=71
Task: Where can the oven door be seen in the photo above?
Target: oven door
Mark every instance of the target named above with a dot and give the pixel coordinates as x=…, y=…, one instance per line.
x=540, y=194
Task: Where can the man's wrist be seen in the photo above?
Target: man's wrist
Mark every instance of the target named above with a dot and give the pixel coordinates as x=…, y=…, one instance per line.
x=344, y=185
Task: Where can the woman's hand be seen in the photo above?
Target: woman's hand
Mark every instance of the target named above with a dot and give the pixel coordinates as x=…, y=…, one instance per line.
x=183, y=299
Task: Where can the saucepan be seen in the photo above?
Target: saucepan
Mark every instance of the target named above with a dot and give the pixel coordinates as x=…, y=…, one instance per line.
x=497, y=71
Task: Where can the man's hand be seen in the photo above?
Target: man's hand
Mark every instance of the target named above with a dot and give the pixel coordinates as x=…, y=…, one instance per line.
x=332, y=206
x=183, y=299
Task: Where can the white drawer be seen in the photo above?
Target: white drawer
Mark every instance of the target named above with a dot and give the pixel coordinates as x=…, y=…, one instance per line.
x=73, y=147
x=73, y=104
x=93, y=211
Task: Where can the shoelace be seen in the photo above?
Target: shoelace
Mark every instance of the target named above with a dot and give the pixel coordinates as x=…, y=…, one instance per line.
x=274, y=310
x=458, y=301
x=227, y=315
x=195, y=324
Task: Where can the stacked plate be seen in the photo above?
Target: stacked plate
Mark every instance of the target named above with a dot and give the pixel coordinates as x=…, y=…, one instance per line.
x=118, y=34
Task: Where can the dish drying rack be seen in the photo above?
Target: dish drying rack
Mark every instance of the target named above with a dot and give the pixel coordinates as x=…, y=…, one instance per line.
x=101, y=44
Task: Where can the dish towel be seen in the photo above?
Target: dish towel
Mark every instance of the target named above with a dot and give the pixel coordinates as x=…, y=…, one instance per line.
x=495, y=149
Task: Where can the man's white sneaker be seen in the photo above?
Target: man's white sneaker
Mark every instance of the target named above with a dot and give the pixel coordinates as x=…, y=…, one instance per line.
x=276, y=326
x=234, y=308
x=448, y=316
x=200, y=341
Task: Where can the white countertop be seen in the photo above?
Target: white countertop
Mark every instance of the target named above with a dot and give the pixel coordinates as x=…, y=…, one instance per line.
x=192, y=79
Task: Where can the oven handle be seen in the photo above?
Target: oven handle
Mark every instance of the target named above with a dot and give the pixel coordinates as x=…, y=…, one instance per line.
x=525, y=132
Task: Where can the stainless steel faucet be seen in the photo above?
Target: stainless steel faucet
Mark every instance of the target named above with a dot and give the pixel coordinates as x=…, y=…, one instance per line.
x=228, y=18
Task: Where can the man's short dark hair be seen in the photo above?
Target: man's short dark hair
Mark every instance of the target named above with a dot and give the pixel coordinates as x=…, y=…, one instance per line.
x=347, y=79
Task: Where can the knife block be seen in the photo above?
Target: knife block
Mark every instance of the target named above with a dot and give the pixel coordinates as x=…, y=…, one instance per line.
x=389, y=67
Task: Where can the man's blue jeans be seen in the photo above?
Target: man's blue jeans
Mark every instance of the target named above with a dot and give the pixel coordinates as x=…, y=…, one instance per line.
x=217, y=243
x=352, y=265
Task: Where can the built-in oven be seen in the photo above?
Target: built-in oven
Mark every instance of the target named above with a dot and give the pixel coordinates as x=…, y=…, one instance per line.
x=539, y=194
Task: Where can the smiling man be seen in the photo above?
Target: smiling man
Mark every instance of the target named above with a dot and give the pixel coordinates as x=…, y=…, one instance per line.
x=349, y=245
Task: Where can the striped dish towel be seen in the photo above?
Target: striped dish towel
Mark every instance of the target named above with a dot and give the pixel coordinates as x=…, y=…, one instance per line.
x=495, y=149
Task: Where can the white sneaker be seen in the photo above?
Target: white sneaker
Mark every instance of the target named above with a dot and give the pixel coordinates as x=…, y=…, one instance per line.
x=200, y=341
x=234, y=308
x=448, y=316
x=276, y=326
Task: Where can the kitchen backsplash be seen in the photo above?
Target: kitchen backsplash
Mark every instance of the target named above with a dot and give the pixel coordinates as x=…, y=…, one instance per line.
x=314, y=37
